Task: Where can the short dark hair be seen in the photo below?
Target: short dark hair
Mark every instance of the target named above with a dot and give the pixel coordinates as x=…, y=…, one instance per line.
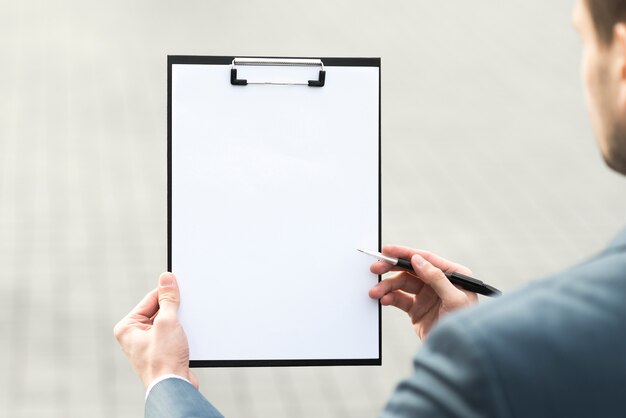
x=605, y=15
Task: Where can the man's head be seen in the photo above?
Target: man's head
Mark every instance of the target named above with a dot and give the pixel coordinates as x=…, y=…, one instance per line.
x=602, y=27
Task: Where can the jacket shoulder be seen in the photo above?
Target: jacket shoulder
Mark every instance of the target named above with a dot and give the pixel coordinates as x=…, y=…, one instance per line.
x=557, y=346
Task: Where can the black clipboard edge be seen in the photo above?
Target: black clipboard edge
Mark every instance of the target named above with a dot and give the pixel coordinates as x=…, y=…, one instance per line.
x=227, y=60
x=284, y=363
x=170, y=61
x=380, y=204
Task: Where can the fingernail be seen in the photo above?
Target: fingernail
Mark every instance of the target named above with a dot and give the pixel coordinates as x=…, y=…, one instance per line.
x=418, y=259
x=166, y=280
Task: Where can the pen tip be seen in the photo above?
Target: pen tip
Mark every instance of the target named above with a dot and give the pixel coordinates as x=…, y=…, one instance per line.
x=367, y=252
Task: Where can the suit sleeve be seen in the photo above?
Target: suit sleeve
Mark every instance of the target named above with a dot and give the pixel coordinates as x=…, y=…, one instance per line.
x=175, y=398
x=452, y=378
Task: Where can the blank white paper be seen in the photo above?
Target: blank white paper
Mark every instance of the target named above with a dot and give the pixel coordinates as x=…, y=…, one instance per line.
x=273, y=190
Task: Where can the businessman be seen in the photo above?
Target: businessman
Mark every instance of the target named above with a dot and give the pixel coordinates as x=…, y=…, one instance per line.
x=556, y=348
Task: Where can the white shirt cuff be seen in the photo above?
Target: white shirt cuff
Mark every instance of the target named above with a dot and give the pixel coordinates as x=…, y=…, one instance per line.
x=161, y=378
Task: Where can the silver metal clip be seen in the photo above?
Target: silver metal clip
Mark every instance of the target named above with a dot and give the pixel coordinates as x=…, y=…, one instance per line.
x=278, y=62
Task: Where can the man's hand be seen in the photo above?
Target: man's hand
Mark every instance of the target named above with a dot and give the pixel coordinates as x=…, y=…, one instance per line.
x=151, y=336
x=425, y=295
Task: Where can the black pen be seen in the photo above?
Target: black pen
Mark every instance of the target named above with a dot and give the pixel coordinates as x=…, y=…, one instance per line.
x=461, y=280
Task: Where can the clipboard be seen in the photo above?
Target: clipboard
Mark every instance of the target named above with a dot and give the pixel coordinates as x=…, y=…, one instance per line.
x=274, y=181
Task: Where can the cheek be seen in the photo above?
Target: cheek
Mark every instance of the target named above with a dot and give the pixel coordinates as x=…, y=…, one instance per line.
x=587, y=75
x=590, y=72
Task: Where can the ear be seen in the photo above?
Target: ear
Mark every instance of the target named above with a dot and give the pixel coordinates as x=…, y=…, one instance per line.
x=619, y=39
x=619, y=56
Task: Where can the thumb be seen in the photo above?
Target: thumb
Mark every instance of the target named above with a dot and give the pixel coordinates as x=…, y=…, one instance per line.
x=437, y=280
x=169, y=295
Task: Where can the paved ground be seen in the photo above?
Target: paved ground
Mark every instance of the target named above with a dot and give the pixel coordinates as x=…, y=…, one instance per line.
x=488, y=160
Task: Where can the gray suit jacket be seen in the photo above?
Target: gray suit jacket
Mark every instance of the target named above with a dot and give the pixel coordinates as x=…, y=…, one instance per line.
x=554, y=349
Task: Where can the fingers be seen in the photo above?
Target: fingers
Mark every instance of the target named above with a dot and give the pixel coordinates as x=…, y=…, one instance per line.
x=398, y=251
x=406, y=292
x=139, y=316
x=401, y=281
x=443, y=264
x=398, y=299
x=148, y=306
x=169, y=295
x=426, y=301
x=451, y=297
x=381, y=267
